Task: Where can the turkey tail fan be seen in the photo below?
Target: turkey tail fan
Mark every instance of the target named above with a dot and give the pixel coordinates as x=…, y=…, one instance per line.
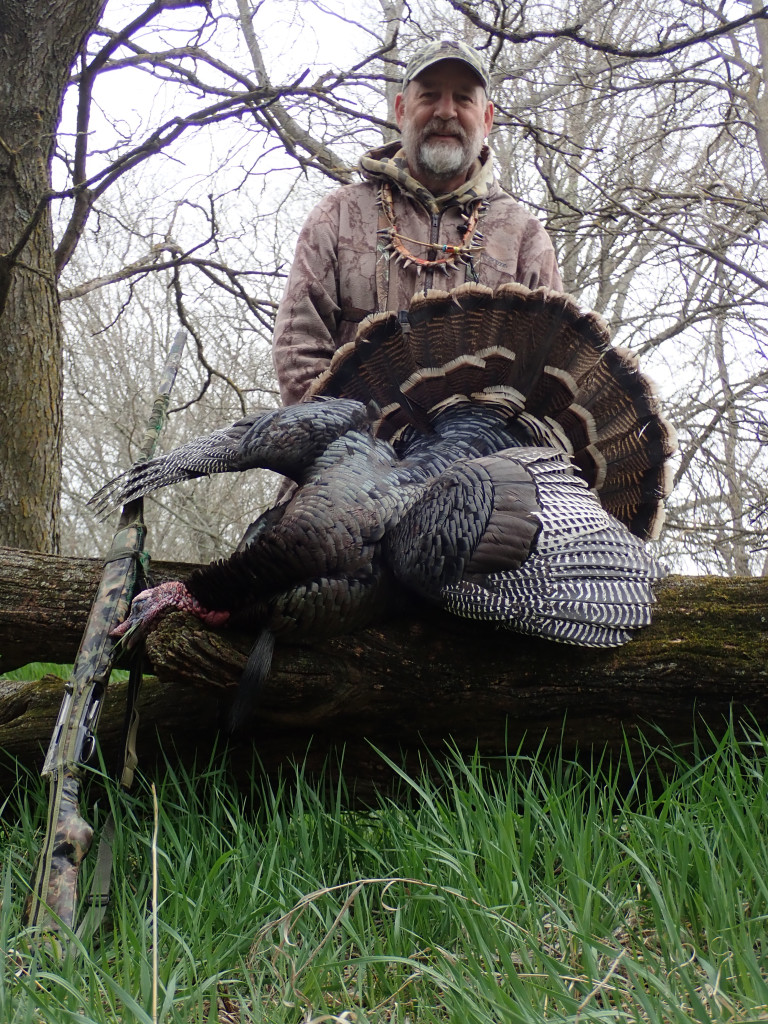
x=538, y=357
x=628, y=441
x=377, y=363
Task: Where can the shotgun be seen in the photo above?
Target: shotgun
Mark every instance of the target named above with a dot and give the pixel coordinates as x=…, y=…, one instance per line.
x=52, y=899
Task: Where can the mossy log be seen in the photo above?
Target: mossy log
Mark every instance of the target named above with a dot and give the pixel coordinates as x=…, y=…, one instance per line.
x=403, y=686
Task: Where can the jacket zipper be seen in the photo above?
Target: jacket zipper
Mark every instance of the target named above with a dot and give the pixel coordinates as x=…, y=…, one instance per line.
x=434, y=235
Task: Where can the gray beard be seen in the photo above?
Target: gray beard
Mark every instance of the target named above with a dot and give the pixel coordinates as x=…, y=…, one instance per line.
x=444, y=159
x=441, y=159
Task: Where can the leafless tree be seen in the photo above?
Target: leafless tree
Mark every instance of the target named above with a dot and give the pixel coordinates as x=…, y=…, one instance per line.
x=637, y=133
x=135, y=95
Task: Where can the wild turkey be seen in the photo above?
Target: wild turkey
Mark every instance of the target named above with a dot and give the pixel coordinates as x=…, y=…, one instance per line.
x=453, y=454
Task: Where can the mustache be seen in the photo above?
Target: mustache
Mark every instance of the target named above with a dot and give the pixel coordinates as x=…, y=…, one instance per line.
x=436, y=126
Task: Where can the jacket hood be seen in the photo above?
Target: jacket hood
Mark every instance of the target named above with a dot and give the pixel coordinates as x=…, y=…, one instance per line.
x=388, y=163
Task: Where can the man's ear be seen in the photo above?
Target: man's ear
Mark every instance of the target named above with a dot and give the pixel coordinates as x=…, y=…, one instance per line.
x=487, y=120
x=399, y=105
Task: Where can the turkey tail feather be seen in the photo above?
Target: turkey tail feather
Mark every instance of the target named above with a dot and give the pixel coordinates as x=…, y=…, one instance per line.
x=542, y=360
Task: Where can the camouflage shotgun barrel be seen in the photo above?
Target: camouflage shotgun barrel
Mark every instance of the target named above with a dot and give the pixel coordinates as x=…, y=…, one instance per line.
x=52, y=900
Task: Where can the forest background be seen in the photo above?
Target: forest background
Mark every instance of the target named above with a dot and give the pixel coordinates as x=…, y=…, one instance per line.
x=157, y=162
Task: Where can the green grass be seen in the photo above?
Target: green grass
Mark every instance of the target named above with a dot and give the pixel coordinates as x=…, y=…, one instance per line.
x=539, y=891
x=37, y=669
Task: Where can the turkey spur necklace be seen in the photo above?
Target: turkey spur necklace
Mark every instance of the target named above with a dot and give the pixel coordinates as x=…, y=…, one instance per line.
x=394, y=243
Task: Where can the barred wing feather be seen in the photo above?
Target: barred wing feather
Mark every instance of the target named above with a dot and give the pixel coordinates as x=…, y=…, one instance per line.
x=553, y=563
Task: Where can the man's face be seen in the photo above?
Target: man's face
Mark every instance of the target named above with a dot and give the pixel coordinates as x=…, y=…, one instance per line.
x=444, y=117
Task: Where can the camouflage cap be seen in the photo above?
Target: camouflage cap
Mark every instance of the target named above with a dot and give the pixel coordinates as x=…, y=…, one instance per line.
x=446, y=49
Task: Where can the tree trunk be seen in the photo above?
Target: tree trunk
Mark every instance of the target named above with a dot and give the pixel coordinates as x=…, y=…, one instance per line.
x=38, y=46
x=406, y=685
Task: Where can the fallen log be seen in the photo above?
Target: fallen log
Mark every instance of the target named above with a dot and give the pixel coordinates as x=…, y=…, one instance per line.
x=407, y=685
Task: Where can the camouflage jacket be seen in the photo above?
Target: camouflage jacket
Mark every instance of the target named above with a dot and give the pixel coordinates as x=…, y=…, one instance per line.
x=333, y=283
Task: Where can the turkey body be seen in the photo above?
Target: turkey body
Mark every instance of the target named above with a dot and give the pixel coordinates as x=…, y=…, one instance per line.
x=315, y=565
x=492, y=455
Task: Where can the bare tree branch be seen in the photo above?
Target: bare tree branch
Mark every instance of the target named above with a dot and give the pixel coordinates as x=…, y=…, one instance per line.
x=574, y=33
x=288, y=130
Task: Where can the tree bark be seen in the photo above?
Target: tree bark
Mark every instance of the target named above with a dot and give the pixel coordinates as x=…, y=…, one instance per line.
x=407, y=685
x=38, y=46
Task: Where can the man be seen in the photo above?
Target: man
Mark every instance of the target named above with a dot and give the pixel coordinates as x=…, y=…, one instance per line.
x=428, y=215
